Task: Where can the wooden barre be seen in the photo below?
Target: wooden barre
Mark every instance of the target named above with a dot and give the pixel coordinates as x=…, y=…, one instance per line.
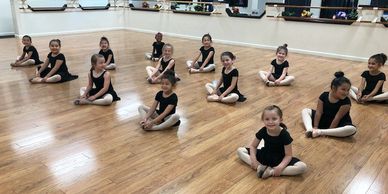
x=326, y=19
x=309, y=7
x=325, y=7
x=187, y=2
x=373, y=8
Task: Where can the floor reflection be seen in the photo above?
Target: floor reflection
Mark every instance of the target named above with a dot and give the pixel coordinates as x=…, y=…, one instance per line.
x=35, y=139
x=73, y=166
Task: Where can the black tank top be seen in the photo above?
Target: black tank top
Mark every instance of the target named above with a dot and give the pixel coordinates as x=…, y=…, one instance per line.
x=164, y=64
x=99, y=83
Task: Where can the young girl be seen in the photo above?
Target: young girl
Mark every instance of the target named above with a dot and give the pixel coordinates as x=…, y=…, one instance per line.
x=155, y=74
x=103, y=93
x=275, y=158
x=158, y=119
x=107, y=53
x=371, y=87
x=207, y=62
x=57, y=71
x=157, y=47
x=32, y=57
x=229, y=93
x=332, y=116
x=278, y=75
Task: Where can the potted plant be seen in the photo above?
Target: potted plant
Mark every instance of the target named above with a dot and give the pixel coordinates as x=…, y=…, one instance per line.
x=384, y=19
x=198, y=8
x=353, y=15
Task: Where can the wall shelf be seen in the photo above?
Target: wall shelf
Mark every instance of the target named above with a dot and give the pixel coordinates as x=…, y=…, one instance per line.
x=88, y=8
x=318, y=20
x=230, y=14
x=193, y=12
x=48, y=8
x=145, y=9
x=277, y=10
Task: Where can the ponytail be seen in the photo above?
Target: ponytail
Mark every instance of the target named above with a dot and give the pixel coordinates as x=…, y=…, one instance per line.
x=379, y=58
x=283, y=47
x=339, y=80
x=284, y=126
x=104, y=39
x=55, y=40
x=93, y=60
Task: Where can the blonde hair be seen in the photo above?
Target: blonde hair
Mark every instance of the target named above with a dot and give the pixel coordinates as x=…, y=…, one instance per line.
x=168, y=45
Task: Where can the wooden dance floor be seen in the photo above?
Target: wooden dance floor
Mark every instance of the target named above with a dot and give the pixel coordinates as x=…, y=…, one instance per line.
x=49, y=145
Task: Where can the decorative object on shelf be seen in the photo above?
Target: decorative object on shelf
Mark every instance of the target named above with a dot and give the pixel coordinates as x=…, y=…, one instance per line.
x=208, y=8
x=195, y=9
x=174, y=6
x=353, y=15
x=157, y=6
x=340, y=15
x=384, y=19
x=145, y=5
x=242, y=15
x=287, y=13
x=198, y=8
x=306, y=13
x=350, y=16
x=235, y=10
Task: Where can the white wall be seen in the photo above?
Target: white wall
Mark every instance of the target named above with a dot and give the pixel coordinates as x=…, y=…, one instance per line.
x=356, y=42
x=73, y=21
x=6, y=21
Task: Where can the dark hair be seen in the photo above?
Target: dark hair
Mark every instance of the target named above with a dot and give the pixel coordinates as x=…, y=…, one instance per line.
x=55, y=40
x=93, y=60
x=229, y=54
x=339, y=80
x=207, y=35
x=104, y=39
x=379, y=58
x=26, y=36
x=284, y=47
x=168, y=45
x=170, y=76
x=158, y=34
x=277, y=110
